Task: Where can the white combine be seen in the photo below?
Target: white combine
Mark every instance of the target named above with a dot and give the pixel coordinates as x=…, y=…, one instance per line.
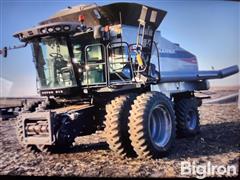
x=107, y=67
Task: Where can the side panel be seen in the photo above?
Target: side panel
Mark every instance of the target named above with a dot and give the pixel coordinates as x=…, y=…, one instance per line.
x=173, y=58
x=170, y=88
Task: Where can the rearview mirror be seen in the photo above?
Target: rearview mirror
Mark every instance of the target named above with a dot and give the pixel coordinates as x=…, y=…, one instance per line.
x=5, y=50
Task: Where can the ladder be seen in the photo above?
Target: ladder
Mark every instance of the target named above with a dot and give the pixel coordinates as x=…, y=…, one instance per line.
x=140, y=35
x=139, y=47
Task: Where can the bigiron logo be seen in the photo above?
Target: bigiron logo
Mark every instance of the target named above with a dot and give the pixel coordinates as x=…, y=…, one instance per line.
x=207, y=169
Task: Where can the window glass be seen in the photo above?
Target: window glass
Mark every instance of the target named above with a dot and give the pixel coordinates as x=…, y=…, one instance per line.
x=120, y=69
x=94, y=53
x=53, y=63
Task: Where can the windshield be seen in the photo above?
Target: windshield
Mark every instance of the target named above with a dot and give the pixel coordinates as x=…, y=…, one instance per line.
x=53, y=63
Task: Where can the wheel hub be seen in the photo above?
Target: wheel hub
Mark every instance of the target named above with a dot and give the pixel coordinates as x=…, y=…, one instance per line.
x=191, y=120
x=160, y=126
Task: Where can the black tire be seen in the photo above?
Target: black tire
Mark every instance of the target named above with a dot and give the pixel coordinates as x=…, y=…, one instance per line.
x=141, y=134
x=116, y=125
x=64, y=136
x=187, y=117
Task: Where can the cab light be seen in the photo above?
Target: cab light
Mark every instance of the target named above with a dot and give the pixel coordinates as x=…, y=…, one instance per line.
x=50, y=29
x=43, y=30
x=66, y=28
x=57, y=28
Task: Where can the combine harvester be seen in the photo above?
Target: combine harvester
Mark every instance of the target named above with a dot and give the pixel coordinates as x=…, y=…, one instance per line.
x=107, y=67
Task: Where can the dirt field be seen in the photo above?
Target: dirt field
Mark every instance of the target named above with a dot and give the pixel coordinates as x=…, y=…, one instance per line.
x=218, y=142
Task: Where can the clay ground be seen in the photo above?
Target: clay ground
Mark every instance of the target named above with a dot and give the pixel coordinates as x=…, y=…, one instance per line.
x=218, y=143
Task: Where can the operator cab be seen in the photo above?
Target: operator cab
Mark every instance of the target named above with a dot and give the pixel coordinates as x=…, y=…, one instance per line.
x=80, y=61
x=94, y=48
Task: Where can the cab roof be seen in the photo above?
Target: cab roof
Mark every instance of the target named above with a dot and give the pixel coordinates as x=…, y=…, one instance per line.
x=116, y=13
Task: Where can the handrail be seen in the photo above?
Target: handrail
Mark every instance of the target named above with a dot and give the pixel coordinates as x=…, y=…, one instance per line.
x=129, y=61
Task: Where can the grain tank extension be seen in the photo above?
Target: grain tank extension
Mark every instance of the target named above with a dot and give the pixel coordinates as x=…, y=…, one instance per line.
x=108, y=68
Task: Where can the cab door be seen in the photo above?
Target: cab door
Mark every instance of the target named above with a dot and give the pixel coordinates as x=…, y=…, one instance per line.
x=95, y=65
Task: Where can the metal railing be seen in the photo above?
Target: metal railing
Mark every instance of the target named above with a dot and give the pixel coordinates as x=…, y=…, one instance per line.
x=122, y=79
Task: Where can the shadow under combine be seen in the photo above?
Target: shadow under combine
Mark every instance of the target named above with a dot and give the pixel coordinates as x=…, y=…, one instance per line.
x=89, y=147
x=83, y=148
x=213, y=139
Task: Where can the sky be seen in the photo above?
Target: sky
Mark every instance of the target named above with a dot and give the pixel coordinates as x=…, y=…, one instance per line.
x=209, y=29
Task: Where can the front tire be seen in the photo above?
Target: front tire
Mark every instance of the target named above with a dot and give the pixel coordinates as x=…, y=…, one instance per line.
x=152, y=125
x=116, y=125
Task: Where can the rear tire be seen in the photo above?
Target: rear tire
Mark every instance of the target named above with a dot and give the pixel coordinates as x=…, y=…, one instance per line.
x=152, y=125
x=187, y=117
x=116, y=125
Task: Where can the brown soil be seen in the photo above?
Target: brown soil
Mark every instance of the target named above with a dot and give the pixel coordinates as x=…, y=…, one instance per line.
x=218, y=142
